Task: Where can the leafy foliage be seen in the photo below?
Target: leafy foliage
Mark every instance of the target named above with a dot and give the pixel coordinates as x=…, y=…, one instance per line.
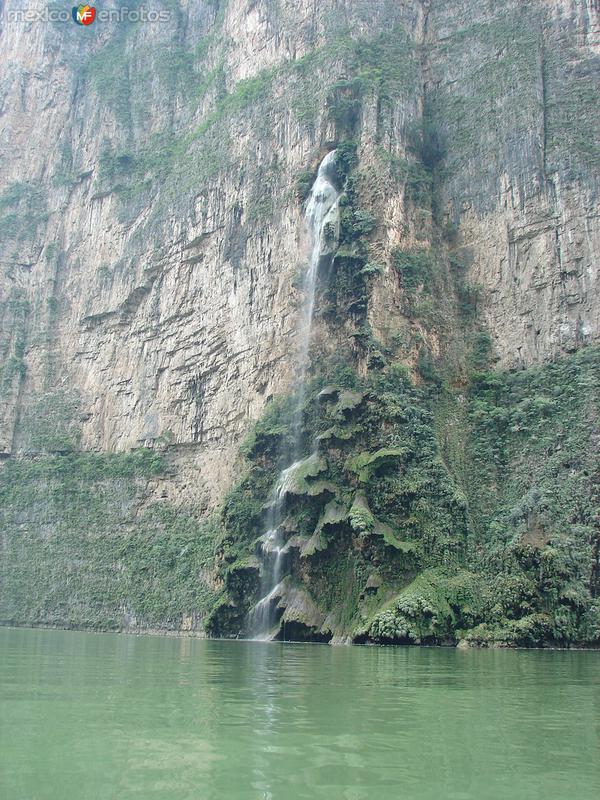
x=534, y=499
x=430, y=609
x=414, y=267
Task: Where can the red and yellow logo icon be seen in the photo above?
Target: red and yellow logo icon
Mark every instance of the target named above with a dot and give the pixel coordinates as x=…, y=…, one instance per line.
x=84, y=15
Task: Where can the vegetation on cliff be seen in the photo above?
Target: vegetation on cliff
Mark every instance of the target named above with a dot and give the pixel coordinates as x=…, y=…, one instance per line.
x=84, y=545
x=491, y=537
x=438, y=499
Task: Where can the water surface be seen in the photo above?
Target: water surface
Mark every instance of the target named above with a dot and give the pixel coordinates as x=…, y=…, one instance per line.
x=99, y=716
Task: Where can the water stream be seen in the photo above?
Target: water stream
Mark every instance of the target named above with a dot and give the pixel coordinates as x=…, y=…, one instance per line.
x=321, y=219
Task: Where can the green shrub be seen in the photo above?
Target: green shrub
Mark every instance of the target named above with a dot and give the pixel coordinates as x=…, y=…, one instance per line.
x=430, y=609
x=414, y=267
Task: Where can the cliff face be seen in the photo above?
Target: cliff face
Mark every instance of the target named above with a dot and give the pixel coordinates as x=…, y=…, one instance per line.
x=153, y=246
x=511, y=94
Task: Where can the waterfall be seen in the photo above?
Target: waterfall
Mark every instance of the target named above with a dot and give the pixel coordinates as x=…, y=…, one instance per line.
x=322, y=224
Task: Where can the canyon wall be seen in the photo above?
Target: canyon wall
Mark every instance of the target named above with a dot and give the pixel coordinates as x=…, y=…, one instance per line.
x=153, y=176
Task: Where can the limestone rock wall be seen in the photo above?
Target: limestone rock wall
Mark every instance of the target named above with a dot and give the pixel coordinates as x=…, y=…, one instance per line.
x=512, y=90
x=151, y=230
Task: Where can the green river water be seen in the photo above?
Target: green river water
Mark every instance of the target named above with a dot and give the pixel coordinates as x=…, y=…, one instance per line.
x=96, y=716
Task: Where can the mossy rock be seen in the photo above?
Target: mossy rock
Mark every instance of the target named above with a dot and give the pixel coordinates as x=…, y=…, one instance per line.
x=316, y=544
x=347, y=402
x=328, y=393
x=296, y=478
x=360, y=516
x=335, y=513
x=390, y=537
x=224, y=618
x=349, y=250
x=363, y=521
x=341, y=434
x=527, y=631
x=430, y=609
x=300, y=608
x=242, y=577
x=365, y=464
x=374, y=582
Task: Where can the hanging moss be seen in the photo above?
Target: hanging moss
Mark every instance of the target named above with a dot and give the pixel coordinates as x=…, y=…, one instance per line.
x=406, y=512
x=85, y=546
x=430, y=609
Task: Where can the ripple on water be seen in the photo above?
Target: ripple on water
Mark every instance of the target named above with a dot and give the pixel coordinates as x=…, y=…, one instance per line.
x=109, y=716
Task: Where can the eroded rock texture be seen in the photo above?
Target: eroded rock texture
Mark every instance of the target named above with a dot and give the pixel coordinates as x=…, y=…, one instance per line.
x=151, y=200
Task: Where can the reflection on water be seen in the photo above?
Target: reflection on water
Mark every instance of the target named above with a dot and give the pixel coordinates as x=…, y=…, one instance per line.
x=108, y=716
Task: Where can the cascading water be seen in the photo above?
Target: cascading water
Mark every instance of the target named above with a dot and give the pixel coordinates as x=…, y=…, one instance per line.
x=322, y=224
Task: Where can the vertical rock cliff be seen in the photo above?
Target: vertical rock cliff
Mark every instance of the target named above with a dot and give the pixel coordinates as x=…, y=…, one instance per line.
x=154, y=176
